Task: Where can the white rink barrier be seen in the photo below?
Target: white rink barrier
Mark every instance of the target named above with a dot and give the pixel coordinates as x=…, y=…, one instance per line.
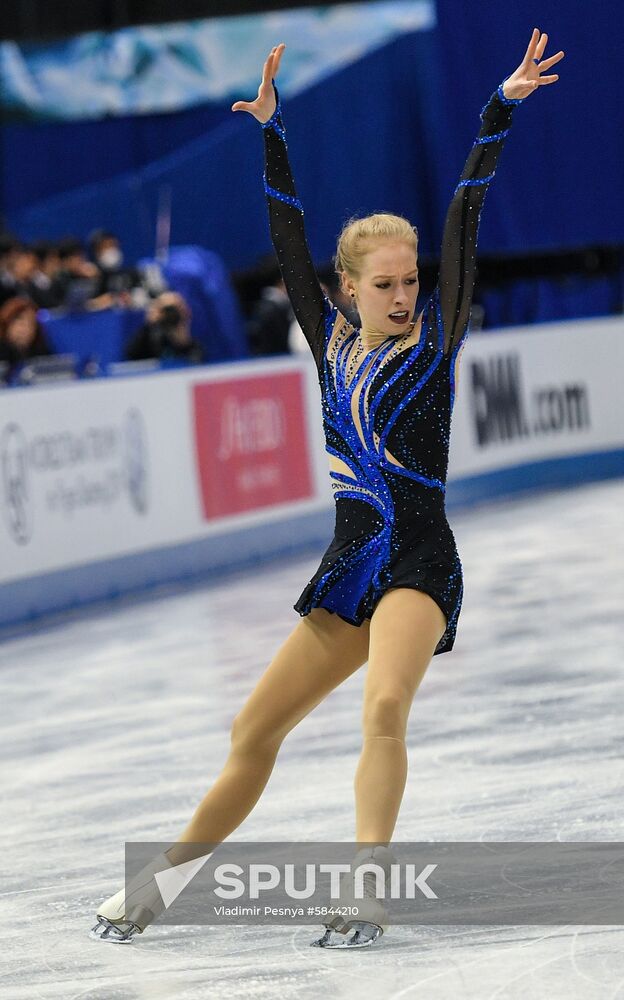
x=119, y=484
x=538, y=406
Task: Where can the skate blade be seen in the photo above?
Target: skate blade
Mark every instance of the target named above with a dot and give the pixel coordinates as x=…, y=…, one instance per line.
x=122, y=933
x=364, y=935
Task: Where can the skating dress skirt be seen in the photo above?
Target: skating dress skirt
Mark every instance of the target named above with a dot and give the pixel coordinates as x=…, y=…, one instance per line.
x=386, y=416
x=387, y=408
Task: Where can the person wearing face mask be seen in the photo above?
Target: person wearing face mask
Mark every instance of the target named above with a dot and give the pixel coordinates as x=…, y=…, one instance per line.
x=117, y=285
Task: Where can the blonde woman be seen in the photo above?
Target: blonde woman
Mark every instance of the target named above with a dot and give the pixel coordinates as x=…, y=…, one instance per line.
x=389, y=587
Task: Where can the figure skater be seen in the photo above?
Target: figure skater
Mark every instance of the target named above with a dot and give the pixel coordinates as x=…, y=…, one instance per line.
x=389, y=587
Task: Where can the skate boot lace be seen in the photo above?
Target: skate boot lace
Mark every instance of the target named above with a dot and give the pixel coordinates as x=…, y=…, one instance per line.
x=369, y=886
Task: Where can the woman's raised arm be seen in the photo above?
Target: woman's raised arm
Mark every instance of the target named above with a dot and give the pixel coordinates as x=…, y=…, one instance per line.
x=286, y=212
x=459, y=241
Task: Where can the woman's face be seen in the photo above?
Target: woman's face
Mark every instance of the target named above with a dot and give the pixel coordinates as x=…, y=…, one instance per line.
x=21, y=331
x=388, y=284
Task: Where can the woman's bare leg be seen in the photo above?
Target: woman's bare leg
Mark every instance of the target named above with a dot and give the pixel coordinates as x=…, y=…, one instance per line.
x=320, y=653
x=405, y=628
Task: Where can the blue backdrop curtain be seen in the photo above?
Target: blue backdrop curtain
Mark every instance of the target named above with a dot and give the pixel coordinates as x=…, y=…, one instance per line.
x=388, y=132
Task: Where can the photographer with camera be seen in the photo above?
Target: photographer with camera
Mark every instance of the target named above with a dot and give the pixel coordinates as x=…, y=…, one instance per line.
x=166, y=334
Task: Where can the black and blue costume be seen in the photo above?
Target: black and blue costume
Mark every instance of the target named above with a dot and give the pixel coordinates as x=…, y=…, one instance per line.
x=387, y=411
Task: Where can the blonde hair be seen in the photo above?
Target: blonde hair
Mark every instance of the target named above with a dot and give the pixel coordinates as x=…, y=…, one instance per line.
x=360, y=235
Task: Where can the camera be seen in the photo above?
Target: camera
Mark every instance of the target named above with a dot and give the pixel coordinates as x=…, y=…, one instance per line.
x=164, y=329
x=170, y=317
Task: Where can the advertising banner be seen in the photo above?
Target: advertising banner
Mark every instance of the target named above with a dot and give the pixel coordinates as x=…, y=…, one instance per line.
x=251, y=443
x=91, y=471
x=114, y=484
x=529, y=394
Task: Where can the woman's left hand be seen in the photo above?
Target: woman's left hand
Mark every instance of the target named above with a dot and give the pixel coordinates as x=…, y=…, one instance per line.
x=527, y=77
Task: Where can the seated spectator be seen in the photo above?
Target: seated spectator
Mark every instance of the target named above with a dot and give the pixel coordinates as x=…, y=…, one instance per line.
x=21, y=335
x=29, y=281
x=270, y=320
x=8, y=253
x=77, y=278
x=166, y=334
x=272, y=327
x=42, y=281
x=117, y=285
x=297, y=343
x=343, y=301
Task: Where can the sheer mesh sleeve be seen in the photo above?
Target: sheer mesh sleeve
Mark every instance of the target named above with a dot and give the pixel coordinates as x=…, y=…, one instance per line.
x=288, y=235
x=459, y=240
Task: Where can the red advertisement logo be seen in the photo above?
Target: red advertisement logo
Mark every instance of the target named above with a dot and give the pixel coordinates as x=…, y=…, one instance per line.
x=251, y=445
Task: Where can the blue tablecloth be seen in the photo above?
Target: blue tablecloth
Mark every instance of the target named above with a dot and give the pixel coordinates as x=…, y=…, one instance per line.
x=92, y=336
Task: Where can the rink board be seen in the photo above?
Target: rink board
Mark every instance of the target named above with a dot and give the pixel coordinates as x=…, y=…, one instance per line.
x=122, y=484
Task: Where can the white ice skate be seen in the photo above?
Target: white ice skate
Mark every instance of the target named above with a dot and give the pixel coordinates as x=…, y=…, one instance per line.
x=372, y=917
x=120, y=919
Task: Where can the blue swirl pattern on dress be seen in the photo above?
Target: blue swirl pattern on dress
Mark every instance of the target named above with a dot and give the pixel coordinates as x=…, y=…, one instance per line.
x=387, y=410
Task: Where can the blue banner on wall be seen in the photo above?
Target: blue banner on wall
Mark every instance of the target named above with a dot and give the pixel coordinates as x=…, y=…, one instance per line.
x=173, y=66
x=388, y=130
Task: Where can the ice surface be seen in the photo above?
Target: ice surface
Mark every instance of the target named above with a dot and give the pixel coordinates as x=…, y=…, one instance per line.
x=116, y=722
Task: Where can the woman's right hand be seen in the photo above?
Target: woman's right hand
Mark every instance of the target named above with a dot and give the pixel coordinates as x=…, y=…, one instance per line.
x=264, y=106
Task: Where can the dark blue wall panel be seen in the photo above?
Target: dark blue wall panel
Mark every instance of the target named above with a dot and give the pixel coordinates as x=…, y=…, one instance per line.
x=390, y=132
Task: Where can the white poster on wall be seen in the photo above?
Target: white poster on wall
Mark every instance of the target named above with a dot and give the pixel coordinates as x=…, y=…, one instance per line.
x=527, y=394
x=91, y=471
